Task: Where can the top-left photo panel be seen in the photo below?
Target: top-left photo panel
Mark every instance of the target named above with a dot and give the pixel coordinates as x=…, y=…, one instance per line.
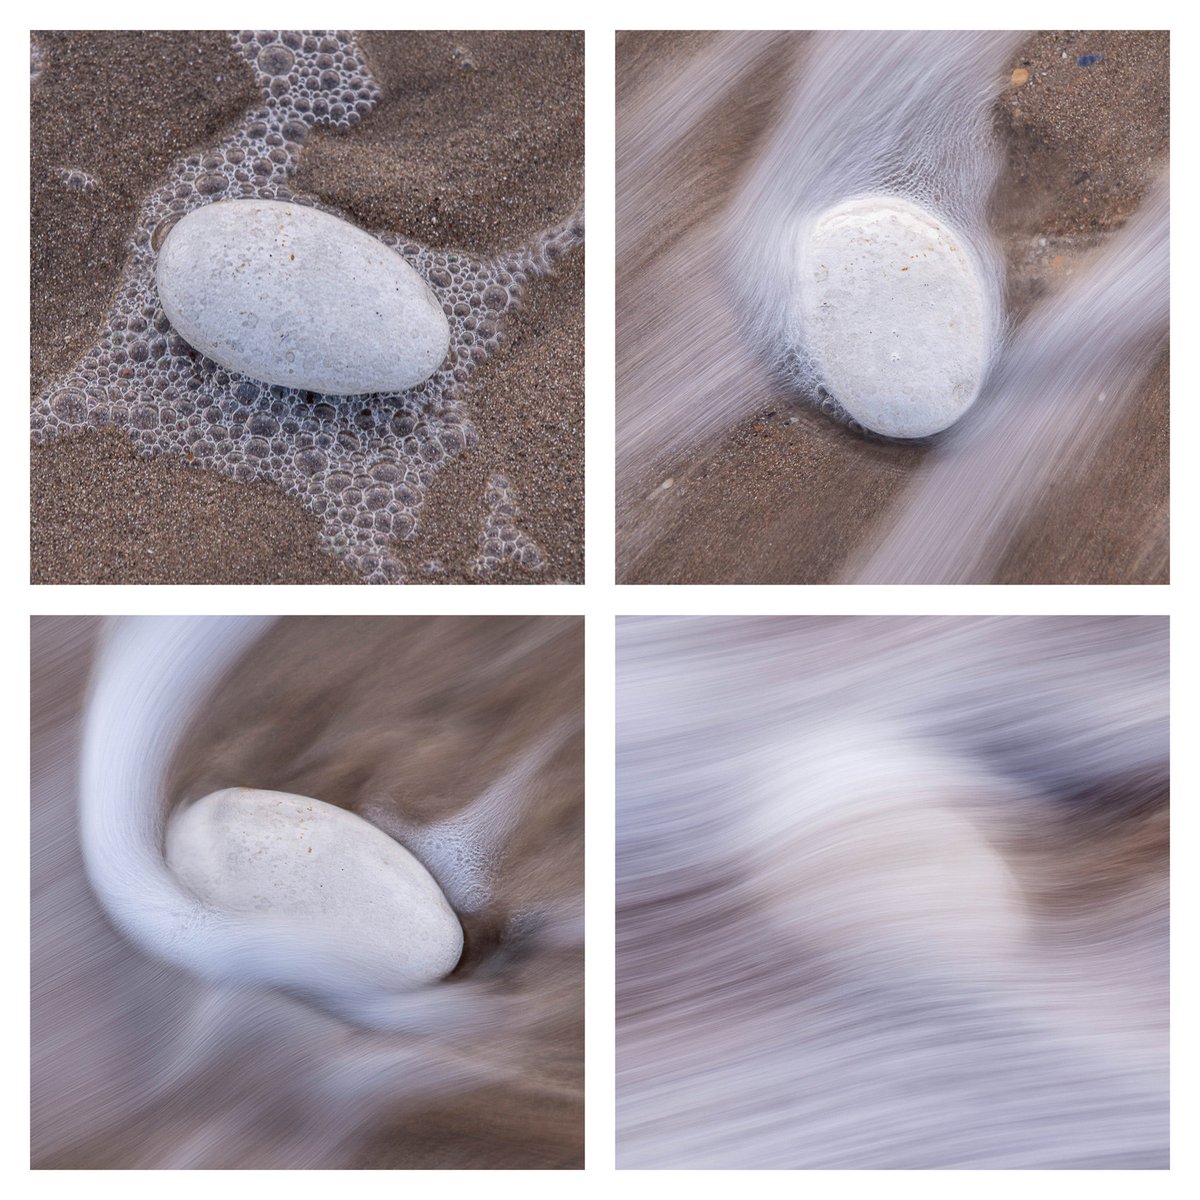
x=306, y=307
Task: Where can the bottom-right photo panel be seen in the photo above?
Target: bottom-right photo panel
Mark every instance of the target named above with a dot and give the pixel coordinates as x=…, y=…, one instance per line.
x=892, y=892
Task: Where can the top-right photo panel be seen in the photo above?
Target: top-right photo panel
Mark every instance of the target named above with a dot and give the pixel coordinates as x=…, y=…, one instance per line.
x=893, y=307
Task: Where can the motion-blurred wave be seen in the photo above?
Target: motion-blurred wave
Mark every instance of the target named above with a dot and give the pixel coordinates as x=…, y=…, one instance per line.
x=892, y=893
x=730, y=146
x=159, y=1041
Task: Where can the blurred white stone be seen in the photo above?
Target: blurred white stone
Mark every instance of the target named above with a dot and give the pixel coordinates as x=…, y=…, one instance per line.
x=863, y=837
x=281, y=856
x=894, y=315
x=290, y=295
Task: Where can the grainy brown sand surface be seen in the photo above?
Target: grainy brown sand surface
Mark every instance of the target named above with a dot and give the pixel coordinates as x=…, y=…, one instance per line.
x=786, y=496
x=479, y=146
x=100, y=513
x=120, y=106
x=477, y=143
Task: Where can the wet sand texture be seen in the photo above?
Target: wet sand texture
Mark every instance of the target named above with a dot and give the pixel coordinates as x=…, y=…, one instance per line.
x=475, y=147
x=784, y=495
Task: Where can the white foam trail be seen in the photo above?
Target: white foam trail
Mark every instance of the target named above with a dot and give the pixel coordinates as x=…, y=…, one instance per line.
x=708, y=318
x=864, y=113
x=159, y=1041
x=1067, y=376
x=152, y=677
x=462, y=852
x=868, y=116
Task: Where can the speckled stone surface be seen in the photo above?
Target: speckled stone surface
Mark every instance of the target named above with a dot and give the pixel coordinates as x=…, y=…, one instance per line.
x=290, y=295
x=286, y=857
x=895, y=315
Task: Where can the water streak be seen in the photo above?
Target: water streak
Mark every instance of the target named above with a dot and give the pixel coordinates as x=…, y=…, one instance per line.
x=167, y=1033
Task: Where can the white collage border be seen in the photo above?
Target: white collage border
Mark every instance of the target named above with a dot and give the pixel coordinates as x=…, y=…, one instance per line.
x=601, y=601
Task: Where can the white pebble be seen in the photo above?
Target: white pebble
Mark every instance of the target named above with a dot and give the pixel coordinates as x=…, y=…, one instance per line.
x=894, y=316
x=290, y=295
x=290, y=858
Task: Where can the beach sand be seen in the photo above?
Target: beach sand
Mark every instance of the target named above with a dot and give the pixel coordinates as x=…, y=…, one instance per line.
x=785, y=496
x=477, y=144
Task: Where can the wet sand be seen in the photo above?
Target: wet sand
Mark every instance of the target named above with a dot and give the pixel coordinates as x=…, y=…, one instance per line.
x=119, y=106
x=785, y=496
x=101, y=513
x=478, y=143
x=481, y=146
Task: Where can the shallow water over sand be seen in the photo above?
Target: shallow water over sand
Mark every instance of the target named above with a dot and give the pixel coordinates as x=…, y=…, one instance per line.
x=736, y=463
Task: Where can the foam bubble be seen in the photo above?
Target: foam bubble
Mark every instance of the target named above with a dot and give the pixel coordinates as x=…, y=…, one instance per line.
x=75, y=179
x=500, y=540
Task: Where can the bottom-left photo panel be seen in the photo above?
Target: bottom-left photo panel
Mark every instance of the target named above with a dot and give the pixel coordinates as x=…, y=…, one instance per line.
x=307, y=892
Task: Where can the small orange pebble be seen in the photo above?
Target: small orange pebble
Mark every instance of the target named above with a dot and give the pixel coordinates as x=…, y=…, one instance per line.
x=1056, y=262
x=1020, y=77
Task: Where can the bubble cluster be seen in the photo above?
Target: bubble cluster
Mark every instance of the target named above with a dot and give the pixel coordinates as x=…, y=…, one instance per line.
x=75, y=179
x=500, y=539
x=360, y=463
x=464, y=59
x=795, y=368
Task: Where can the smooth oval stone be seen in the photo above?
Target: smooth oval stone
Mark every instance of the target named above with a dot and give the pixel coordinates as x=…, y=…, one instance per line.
x=255, y=852
x=290, y=295
x=895, y=315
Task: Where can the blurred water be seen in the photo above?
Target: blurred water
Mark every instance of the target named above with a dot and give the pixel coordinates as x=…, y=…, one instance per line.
x=858, y=113
x=892, y=893
x=169, y=1035
x=727, y=154
x=1061, y=384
